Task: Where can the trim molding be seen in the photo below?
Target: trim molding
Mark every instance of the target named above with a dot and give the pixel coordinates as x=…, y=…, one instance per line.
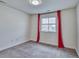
x=9, y=6
x=52, y=45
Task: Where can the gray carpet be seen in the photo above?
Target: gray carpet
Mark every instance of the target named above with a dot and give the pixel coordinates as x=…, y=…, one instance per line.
x=34, y=50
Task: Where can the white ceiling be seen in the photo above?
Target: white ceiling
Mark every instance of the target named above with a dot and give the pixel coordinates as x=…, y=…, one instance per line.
x=46, y=5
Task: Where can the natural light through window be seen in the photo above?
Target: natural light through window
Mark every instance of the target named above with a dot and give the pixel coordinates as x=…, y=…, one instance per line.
x=48, y=24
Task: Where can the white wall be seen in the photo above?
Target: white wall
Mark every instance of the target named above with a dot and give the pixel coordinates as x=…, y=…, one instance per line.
x=14, y=27
x=68, y=27
x=33, y=27
x=77, y=41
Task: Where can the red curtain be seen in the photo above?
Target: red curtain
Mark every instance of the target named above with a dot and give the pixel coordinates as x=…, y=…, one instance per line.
x=38, y=29
x=60, y=40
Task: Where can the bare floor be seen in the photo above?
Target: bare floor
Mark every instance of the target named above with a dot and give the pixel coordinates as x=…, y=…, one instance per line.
x=34, y=50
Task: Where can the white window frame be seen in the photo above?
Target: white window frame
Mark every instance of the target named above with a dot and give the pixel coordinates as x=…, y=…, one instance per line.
x=48, y=25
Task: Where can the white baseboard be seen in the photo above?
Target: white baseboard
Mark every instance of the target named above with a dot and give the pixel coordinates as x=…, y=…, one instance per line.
x=54, y=44
x=13, y=45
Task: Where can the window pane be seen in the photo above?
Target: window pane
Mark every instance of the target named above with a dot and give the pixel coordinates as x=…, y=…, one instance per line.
x=52, y=28
x=52, y=20
x=45, y=21
x=44, y=28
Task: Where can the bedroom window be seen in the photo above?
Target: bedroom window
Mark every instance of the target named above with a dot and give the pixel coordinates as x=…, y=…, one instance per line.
x=48, y=24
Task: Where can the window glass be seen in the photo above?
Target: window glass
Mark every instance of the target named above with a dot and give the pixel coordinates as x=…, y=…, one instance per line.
x=45, y=21
x=44, y=28
x=52, y=28
x=52, y=20
x=48, y=24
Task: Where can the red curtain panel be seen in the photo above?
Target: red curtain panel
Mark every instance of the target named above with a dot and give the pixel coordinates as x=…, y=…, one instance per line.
x=38, y=29
x=60, y=40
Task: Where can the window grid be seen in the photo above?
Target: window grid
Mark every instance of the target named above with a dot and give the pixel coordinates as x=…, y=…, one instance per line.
x=49, y=24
